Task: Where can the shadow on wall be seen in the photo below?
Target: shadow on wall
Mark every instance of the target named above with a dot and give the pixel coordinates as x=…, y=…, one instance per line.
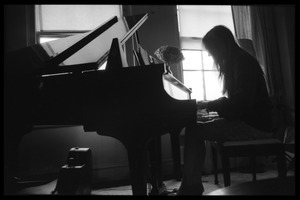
x=44, y=151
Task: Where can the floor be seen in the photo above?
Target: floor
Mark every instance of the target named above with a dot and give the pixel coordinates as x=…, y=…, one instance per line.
x=237, y=177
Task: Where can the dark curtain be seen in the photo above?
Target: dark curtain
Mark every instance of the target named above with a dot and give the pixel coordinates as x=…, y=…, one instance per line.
x=258, y=24
x=266, y=41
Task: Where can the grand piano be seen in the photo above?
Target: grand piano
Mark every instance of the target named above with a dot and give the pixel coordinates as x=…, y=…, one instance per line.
x=85, y=80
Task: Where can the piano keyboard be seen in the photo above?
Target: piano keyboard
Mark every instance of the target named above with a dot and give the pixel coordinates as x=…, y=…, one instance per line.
x=204, y=116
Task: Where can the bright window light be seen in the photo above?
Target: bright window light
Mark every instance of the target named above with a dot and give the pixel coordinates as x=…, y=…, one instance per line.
x=199, y=71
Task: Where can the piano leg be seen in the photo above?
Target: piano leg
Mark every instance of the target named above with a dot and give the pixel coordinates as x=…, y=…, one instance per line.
x=137, y=158
x=155, y=178
x=158, y=187
x=174, y=136
x=138, y=162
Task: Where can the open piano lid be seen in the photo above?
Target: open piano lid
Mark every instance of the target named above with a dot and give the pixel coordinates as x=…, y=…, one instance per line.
x=87, y=51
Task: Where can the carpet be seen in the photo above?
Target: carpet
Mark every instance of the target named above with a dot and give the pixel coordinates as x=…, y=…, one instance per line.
x=208, y=183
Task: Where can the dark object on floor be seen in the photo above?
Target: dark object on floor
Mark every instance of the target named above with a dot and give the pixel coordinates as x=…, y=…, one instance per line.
x=274, y=186
x=75, y=177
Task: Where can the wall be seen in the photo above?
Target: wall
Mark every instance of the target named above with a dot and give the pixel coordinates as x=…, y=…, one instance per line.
x=44, y=151
x=15, y=31
x=160, y=29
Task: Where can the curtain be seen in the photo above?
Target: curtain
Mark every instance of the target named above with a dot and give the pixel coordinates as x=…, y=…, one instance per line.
x=258, y=24
x=266, y=41
x=242, y=22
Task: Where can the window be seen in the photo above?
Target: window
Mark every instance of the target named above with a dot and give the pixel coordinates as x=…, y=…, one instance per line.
x=199, y=72
x=58, y=21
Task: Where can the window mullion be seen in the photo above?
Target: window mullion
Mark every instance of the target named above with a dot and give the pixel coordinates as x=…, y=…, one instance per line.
x=203, y=79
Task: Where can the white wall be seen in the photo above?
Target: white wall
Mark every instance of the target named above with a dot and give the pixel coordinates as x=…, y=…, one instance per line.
x=160, y=29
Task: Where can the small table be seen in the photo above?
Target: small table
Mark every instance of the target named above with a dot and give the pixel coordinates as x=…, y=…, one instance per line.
x=273, y=186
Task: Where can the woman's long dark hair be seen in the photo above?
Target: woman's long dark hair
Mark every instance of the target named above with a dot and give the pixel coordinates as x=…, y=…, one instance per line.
x=221, y=44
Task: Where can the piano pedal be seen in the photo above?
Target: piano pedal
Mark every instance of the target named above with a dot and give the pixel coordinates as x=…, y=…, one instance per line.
x=76, y=176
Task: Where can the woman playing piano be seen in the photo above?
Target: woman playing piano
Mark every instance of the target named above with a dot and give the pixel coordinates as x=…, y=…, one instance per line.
x=244, y=110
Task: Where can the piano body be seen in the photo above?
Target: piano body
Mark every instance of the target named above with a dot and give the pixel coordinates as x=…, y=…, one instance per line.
x=60, y=83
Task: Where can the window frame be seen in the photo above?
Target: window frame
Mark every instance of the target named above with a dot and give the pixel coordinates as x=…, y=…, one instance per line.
x=202, y=70
x=56, y=33
x=191, y=40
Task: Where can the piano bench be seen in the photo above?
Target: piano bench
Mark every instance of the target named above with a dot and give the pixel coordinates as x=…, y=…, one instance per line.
x=249, y=149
